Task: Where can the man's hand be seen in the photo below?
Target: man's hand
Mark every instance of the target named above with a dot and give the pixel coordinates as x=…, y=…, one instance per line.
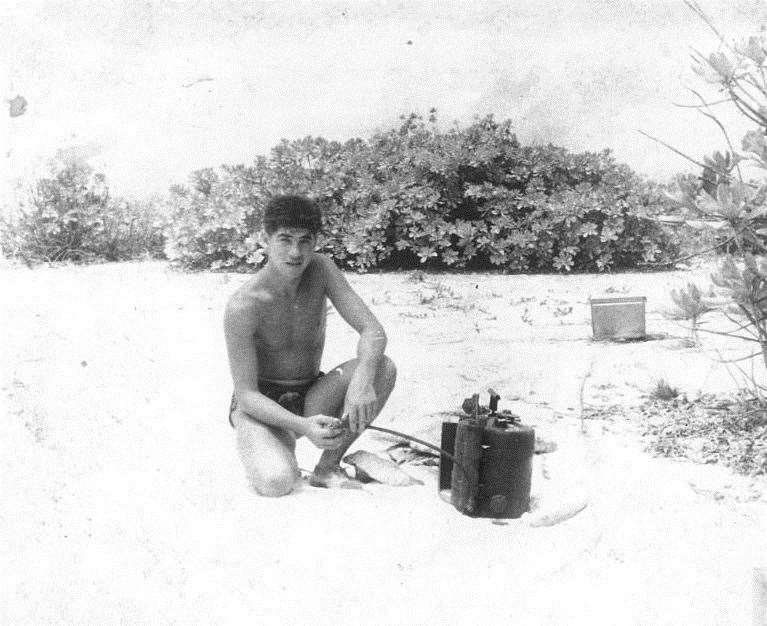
x=359, y=406
x=324, y=431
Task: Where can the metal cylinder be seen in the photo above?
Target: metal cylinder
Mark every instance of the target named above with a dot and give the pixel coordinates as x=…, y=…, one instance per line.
x=468, y=451
x=505, y=471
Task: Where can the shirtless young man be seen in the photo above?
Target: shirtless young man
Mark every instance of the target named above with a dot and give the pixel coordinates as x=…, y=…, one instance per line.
x=275, y=332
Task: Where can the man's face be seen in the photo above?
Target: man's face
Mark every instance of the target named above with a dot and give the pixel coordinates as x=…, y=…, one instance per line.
x=290, y=250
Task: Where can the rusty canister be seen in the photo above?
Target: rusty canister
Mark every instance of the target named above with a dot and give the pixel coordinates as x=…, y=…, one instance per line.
x=464, y=484
x=505, y=471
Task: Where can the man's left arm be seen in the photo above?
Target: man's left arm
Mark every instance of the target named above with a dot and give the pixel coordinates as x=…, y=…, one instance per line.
x=360, y=403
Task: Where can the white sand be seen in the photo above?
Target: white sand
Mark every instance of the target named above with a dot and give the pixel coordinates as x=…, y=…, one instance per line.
x=123, y=500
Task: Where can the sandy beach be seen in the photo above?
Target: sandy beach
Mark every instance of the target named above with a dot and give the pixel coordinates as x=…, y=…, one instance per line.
x=123, y=501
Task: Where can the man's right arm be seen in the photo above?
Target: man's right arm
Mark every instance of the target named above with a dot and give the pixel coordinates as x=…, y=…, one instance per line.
x=240, y=325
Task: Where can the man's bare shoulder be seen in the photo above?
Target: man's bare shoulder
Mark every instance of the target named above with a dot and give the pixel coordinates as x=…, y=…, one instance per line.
x=325, y=266
x=246, y=304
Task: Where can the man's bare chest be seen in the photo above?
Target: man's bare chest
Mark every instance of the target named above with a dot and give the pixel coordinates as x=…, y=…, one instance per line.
x=286, y=324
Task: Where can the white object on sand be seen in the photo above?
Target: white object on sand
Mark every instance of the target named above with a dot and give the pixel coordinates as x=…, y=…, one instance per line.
x=381, y=470
x=554, y=515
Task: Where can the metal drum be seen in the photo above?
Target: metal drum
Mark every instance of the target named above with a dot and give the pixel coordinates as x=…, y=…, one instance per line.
x=497, y=462
x=505, y=471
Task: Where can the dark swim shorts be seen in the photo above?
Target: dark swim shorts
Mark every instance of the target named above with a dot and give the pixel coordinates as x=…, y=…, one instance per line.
x=274, y=391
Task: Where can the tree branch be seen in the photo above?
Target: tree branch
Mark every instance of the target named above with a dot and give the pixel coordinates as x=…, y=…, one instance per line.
x=700, y=106
x=743, y=358
x=753, y=107
x=672, y=148
x=695, y=7
x=749, y=78
x=746, y=326
x=747, y=109
x=725, y=334
x=694, y=254
x=714, y=119
x=761, y=338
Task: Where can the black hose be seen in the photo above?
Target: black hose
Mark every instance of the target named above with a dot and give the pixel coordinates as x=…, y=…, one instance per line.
x=423, y=443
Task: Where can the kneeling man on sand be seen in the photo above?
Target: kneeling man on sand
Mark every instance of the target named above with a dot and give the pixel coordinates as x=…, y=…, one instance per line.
x=275, y=333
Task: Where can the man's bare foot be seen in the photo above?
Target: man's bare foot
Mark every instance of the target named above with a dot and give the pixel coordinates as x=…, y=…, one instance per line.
x=334, y=478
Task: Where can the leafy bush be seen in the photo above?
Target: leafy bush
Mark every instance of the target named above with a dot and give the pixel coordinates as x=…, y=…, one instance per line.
x=730, y=197
x=416, y=196
x=214, y=223
x=70, y=215
x=726, y=202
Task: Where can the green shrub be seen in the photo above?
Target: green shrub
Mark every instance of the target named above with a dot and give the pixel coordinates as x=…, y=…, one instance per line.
x=215, y=221
x=417, y=196
x=70, y=215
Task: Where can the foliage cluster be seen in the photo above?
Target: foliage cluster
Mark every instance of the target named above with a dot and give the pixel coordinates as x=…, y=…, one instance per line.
x=729, y=198
x=418, y=196
x=70, y=215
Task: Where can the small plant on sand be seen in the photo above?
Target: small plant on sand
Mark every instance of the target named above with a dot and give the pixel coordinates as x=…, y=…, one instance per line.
x=690, y=305
x=526, y=317
x=425, y=298
x=416, y=276
x=444, y=291
x=662, y=390
x=438, y=294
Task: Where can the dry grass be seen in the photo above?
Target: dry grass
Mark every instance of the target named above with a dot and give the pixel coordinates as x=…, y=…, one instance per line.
x=710, y=429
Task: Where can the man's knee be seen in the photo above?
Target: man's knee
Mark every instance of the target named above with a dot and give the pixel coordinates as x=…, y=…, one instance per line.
x=276, y=484
x=267, y=454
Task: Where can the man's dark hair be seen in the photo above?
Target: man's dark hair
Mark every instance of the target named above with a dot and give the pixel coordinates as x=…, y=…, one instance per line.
x=292, y=212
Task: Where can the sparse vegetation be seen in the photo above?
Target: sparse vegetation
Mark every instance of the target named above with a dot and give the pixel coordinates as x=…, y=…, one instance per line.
x=437, y=294
x=416, y=276
x=710, y=429
x=663, y=391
